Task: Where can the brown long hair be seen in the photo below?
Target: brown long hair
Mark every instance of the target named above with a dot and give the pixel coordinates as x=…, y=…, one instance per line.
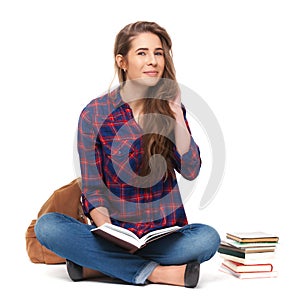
x=159, y=130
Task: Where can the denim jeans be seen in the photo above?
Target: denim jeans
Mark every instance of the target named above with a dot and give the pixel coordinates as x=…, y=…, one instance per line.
x=73, y=240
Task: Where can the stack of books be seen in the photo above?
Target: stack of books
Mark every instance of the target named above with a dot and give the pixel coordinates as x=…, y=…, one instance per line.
x=249, y=254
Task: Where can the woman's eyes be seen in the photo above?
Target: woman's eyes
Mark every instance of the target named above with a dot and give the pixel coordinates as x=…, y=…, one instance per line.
x=156, y=53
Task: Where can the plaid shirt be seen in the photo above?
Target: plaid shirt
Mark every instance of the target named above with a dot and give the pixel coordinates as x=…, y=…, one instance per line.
x=110, y=153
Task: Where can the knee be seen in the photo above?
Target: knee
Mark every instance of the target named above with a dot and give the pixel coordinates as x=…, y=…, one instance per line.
x=45, y=227
x=208, y=241
x=213, y=238
x=212, y=243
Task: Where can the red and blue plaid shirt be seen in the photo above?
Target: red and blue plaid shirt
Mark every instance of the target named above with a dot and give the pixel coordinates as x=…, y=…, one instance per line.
x=110, y=153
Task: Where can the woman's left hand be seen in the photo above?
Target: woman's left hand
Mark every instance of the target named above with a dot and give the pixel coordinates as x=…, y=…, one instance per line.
x=175, y=106
x=182, y=135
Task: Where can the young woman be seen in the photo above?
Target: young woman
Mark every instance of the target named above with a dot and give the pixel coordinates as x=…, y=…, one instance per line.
x=131, y=143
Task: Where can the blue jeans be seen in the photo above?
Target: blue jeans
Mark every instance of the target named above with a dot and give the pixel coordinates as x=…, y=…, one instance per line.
x=73, y=240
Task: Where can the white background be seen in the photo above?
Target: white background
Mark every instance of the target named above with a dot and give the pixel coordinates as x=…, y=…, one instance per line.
x=241, y=57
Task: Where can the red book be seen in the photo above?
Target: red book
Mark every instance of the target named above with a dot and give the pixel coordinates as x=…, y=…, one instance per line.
x=241, y=268
x=248, y=275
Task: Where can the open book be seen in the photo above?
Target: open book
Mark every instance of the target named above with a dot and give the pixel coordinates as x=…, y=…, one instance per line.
x=127, y=239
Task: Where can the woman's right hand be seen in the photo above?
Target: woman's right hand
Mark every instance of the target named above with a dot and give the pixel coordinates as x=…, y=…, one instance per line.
x=100, y=215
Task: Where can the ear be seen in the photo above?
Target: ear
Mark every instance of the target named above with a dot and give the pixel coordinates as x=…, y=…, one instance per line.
x=121, y=62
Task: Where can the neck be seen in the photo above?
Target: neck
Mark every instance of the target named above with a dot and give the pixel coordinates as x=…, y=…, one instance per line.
x=133, y=92
x=134, y=95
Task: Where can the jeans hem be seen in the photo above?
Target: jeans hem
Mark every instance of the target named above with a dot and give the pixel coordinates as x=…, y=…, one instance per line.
x=143, y=274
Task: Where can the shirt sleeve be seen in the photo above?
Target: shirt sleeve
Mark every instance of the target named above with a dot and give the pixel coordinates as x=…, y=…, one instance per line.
x=188, y=164
x=93, y=187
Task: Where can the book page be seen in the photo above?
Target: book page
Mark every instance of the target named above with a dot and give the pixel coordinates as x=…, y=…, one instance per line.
x=153, y=234
x=119, y=232
x=128, y=236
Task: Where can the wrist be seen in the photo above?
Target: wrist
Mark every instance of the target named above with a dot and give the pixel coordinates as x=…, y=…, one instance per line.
x=178, y=112
x=179, y=117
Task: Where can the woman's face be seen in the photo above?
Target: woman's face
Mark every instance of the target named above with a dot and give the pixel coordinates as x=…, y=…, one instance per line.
x=145, y=61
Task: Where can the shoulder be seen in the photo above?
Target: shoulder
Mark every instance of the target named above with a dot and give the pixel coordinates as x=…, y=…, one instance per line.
x=96, y=105
x=99, y=107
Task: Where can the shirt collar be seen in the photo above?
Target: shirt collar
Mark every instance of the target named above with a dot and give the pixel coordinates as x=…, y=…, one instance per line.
x=116, y=97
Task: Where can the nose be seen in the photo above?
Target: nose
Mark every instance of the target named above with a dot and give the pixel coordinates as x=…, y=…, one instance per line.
x=151, y=60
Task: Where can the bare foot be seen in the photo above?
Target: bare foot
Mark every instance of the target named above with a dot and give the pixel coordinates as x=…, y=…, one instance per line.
x=173, y=275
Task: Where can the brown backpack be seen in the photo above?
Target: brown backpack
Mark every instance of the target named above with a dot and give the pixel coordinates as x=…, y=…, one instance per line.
x=66, y=200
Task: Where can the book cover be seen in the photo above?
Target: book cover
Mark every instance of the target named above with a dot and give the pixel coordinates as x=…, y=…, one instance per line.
x=265, y=248
x=247, y=255
x=250, y=245
x=241, y=268
x=249, y=275
x=247, y=261
x=248, y=237
x=127, y=239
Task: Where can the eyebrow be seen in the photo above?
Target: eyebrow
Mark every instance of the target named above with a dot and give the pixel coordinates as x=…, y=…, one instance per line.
x=145, y=49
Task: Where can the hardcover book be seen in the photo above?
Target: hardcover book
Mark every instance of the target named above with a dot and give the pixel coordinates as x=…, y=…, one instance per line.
x=127, y=239
x=249, y=275
x=252, y=249
x=250, y=245
x=247, y=260
x=252, y=237
x=241, y=268
x=247, y=255
x=251, y=253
